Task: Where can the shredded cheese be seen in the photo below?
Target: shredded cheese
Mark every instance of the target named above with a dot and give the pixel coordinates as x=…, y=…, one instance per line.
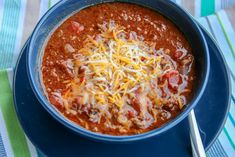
x=115, y=65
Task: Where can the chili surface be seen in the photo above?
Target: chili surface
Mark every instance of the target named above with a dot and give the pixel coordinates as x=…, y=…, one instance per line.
x=151, y=62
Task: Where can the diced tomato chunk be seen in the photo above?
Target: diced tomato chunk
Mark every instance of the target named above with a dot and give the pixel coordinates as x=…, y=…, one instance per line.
x=131, y=114
x=85, y=109
x=82, y=79
x=81, y=71
x=163, y=93
x=173, y=78
x=142, y=58
x=135, y=104
x=178, y=54
x=77, y=27
x=56, y=103
x=170, y=73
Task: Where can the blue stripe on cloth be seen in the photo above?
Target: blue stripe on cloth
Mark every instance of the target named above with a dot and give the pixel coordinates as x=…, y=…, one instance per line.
x=8, y=32
x=1, y=12
x=216, y=150
x=229, y=138
x=225, y=144
x=211, y=152
x=233, y=99
x=222, y=42
x=227, y=29
x=220, y=148
x=2, y=148
x=230, y=130
x=231, y=119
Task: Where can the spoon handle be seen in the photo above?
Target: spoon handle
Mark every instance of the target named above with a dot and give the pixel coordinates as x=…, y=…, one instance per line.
x=196, y=141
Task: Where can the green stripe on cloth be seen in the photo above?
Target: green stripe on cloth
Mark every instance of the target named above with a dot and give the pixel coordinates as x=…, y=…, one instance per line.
x=8, y=32
x=49, y=4
x=229, y=138
x=16, y=135
x=207, y=7
x=225, y=34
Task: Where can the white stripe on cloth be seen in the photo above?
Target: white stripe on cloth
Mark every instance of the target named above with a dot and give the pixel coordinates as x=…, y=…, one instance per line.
x=197, y=5
x=179, y=2
x=228, y=27
x=19, y=31
x=1, y=12
x=218, y=5
x=232, y=113
x=233, y=88
x=232, y=108
x=204, y=23
x=10, y=74
x=219, y=149
x=5, y=137
x=227, y=3
x=216, y=150
x=230, y=128
x=43, y=7
x=32, y=149
x=225, y=143
x=221, y=40
x=53, y=2
x=211, y=152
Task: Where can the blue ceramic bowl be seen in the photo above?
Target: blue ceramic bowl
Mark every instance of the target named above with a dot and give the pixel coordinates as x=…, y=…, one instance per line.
x=170, y=10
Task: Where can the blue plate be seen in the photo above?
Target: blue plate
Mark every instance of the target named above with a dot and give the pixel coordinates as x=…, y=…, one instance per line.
x=54, y=139
x=167, y=8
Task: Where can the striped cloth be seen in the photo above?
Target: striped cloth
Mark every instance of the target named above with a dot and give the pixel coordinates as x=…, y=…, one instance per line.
x=17, y=20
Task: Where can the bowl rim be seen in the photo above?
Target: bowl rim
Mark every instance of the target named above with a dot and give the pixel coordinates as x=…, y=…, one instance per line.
x=105, y=137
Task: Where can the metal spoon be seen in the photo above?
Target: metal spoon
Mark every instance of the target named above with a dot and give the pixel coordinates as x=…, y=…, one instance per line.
x=196, y=141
